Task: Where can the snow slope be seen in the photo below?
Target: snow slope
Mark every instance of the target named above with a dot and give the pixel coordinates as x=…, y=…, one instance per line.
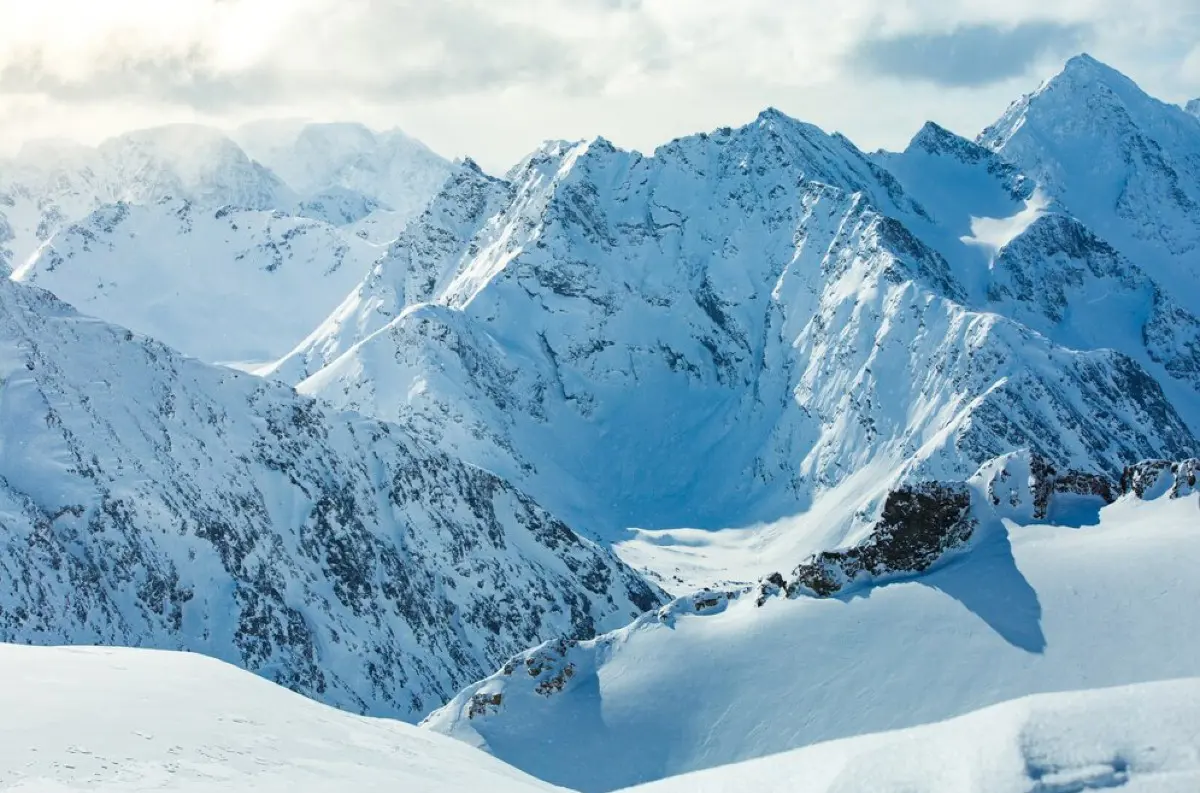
x=76, y=719
x=1087, y=596
x=224, y=285
x=1144, y=737
x=148, y=499
x=721, y=334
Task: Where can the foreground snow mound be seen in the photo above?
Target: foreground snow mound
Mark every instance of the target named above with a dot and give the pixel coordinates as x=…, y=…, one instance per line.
x=148, y=499
x=75, y=719
x=1144, y=737
x=715, y=335
x=979, y=614
x=224, y=285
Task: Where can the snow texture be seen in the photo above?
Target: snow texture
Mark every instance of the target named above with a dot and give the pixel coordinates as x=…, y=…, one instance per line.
x=101, y=719
x=1143, y=737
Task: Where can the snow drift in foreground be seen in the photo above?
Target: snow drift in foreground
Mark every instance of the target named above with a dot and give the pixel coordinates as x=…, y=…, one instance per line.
x=1106, y=597
x=74, y=719
x=1136, y=738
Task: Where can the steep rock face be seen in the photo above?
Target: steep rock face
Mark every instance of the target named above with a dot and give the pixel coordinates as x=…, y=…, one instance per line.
x=1153, y=478
x=720, y=334
x=1117, y=159
x=150, y=500
x=223, y=285
x=919, y=526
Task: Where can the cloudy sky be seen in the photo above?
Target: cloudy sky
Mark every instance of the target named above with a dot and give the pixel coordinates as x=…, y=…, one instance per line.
x=492, y=78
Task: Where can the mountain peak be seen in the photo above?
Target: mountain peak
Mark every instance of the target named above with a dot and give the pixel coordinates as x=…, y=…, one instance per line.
x=933, y=137
x=1084, y=71
x=1193, y=107
x=773, y=114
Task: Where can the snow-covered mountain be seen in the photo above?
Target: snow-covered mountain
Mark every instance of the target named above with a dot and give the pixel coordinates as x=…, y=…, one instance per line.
x=224, y=285
x=1017, y=252
x=188, y=161
x=414, y=270
x=148, y=499
x=76, y=719
x=344, y=175
x=1193, y=107
x=743, y=327
x=50, y=184
x=1022, y=580
x=398, y=173
x=1140, y=737
x=1121, y=161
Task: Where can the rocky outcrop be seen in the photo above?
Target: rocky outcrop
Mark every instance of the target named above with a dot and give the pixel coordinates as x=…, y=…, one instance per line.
x=1155, y=478
x=919, y=525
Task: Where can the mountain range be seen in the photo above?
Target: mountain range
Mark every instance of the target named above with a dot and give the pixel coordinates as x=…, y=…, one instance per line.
x=621, y=466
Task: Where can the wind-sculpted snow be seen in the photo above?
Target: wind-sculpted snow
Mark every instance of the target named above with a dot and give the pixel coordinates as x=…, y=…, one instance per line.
x=147, y=499
x=75, y=719
x=1140, y=737
x=719, y=334
x=224, y=285
x=1052, y=589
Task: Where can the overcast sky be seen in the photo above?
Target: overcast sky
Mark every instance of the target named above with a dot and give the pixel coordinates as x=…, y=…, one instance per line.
x=492, y=78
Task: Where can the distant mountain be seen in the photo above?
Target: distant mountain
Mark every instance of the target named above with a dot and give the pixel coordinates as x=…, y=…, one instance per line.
x=50, y=185
x=151, y=500
x=1047, y=589
x=1193, y=107
x=344, y=175
x=79, y=718
x=389, y=168
x=224, y=285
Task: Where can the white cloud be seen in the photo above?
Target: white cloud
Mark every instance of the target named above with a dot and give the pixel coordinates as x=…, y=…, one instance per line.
x=492, y=78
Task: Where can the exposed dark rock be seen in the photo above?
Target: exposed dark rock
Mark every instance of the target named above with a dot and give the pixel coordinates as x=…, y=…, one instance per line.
x=1046, y=481
x=1147, y=476
x=919, y=525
